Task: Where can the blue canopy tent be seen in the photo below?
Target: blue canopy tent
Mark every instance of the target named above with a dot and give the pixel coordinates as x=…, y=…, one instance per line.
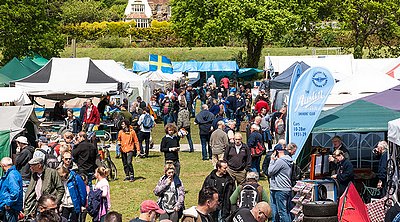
x=217, y=68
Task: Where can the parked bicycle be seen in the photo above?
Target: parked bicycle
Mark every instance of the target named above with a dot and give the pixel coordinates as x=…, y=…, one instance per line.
x=106, y=161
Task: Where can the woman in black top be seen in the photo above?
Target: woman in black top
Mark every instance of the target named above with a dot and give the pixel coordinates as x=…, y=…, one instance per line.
x=170, y=146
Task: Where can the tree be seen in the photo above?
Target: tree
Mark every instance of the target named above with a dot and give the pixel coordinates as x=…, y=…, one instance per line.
x=77, y=11
x=214, y=22
x=374, y=25
x=30, y=26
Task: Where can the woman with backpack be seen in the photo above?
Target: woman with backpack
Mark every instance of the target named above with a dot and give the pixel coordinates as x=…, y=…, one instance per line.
x=102, y=184
x=171, y=194
x=170, y=146
x=74, y=199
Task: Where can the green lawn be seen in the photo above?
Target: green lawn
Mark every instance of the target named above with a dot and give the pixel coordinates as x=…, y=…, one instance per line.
x=128, y=55
x=126, y=197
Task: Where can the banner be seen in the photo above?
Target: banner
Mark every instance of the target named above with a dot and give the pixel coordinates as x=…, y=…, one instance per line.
x=158, y=62
x=306, y=102
x=297, y=71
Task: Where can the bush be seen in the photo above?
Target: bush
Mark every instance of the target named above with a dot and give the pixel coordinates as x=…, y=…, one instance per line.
x=112, y=42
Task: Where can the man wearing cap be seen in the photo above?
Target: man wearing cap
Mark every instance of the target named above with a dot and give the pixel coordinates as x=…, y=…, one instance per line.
x=149, y=211
x=204, y=119
x=10, y=191
x=44, y=181
x=279, y=172
x=238, y=157
x=206, y=204
x=21, y=160
x=43, y=148
x=344, y=171
x=230, y=105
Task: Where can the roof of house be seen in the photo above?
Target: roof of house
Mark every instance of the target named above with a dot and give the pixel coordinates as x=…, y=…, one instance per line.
x=136, y=16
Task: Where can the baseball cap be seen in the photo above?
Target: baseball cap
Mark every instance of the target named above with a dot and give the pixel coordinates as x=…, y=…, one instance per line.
x=149, y=205
x=278, y=147
x=22, y=139
x=35, y=160
x=42, y=139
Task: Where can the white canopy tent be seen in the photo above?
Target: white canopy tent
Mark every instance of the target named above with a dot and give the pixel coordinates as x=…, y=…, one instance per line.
x=137, y=85
x=339, y=65
x=14, y=118
x=394, y=131
x=14, y=95
x=66, y=78
x=158, y=79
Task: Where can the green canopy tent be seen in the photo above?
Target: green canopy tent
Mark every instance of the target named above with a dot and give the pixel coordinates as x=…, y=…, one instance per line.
x=4, y=80
x=15, y=70
x=248, y=72
x=38, y=59
x=359, y=116
x=360, y=124
x=30, y=64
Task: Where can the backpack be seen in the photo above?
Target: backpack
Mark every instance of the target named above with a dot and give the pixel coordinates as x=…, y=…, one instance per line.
x=279, y=125
x=49, y=158
x=148, y=122
x=250, y=195
x=95, y=203
x=296, y=175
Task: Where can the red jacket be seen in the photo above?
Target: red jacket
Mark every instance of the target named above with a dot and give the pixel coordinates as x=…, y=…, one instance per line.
x=94, y=117
x=260, y=104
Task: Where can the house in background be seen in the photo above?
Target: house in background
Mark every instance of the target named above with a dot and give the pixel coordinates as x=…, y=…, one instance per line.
x=144, y=11
x=160, y=9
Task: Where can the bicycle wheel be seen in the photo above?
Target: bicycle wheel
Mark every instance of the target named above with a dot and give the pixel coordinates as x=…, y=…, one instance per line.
x=113, y=170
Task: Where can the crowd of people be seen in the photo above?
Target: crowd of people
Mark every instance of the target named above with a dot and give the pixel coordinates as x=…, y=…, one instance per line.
x=52, y=180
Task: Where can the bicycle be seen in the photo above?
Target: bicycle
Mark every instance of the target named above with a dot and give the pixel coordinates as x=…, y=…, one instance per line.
x=106, y=161
x=105, y=157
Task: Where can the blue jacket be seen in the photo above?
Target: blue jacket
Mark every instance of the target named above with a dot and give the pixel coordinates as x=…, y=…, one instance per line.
x=77, y=191
x=11, y=190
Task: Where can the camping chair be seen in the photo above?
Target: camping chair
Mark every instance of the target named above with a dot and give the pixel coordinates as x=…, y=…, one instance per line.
x=369, y=192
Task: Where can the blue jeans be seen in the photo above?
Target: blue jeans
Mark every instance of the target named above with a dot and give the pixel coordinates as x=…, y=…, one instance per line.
x=10, y=215
x=90, y=127
x=255, y=164
x=118, y=147
x=167, y=119
x=190, y=141
x=205, y=140
x=279, y=204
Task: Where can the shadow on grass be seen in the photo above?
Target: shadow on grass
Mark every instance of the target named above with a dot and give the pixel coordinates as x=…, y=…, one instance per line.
x=140, y=178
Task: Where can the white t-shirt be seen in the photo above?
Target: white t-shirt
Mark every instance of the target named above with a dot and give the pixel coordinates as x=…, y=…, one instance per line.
x=140, y=121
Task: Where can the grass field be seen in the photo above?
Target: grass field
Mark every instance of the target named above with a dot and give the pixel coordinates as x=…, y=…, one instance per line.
x=126, y=197
x=128, y=55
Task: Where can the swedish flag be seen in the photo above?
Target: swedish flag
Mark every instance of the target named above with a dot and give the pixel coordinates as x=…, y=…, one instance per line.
x=158, y=62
